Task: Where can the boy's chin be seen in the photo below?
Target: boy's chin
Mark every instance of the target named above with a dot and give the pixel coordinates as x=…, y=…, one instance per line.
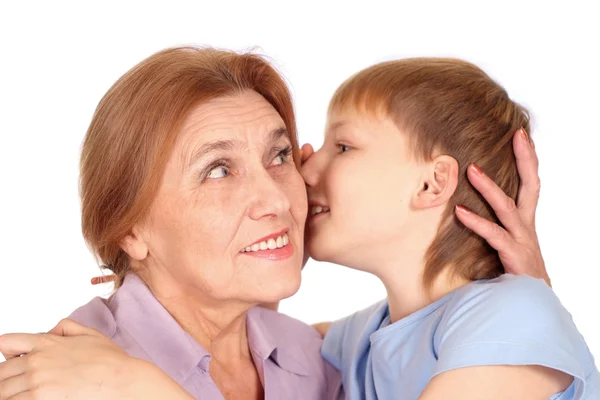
x=319, y=251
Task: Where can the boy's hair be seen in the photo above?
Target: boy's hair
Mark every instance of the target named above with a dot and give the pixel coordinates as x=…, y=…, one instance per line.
x=448, y=106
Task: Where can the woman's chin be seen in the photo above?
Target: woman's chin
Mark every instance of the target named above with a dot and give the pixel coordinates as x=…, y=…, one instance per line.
x=281, y=288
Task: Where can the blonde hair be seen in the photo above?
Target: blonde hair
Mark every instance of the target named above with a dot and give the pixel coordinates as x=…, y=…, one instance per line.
x=453, y=107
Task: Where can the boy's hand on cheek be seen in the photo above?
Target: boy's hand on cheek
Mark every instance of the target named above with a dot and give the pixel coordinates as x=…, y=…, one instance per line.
x=306, y=152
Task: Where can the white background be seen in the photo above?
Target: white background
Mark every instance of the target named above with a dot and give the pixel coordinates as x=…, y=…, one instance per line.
x=58, y=59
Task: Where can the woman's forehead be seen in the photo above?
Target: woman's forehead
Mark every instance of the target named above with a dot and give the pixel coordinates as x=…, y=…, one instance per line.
x=246, y=118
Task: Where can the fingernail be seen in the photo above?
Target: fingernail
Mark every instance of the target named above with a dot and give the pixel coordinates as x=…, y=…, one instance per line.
x=476, y=169
x=462, y=210
x=527, y=138
x=97, y=281
x=524, y=134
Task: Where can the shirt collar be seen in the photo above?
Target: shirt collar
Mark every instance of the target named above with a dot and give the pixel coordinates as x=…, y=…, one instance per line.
x=176, y=352
x=288, y=356
x=167, y=344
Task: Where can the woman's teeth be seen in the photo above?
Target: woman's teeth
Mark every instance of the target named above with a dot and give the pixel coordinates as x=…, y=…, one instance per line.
x=271, y=244
x=318, y=210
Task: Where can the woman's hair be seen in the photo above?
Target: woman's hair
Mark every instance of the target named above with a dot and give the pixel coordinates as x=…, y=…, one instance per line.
x=135, y=126
x=447, y=106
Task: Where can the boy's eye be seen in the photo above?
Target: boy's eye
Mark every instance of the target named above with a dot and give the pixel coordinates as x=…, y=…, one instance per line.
x=344, y=148
x=218, y=172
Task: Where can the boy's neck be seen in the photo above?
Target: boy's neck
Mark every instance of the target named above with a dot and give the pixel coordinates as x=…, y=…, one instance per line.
x=400, y=266
x=403, y=280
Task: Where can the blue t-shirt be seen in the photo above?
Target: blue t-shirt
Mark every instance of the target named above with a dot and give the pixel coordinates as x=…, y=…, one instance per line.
x=510, y=320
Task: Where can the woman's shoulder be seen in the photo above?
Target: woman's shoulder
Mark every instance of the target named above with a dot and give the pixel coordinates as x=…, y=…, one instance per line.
x=97, y=315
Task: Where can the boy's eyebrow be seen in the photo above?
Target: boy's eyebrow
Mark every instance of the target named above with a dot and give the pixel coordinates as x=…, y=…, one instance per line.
x=337, y=125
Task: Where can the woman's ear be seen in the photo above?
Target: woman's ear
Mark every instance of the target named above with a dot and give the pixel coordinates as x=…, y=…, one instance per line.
x=438, y=184
x=134, y=245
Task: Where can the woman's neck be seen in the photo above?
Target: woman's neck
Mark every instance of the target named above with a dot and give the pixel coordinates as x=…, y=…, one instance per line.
x=220, y=331
x=218, y=326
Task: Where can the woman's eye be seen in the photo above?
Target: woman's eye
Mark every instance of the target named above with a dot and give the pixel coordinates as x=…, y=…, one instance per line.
x=280, y=159
x=283, y=156
x=218, y=172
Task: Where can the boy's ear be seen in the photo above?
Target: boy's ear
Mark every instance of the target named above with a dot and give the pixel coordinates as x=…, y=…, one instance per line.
x=438, y=184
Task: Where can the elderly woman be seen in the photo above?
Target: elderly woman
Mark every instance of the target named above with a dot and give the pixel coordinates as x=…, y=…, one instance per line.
x=192, y=197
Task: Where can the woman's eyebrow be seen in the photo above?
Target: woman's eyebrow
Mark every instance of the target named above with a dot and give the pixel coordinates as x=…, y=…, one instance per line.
x=228, y=145
x=274, y=137
x=210, y=147
x=277, y=134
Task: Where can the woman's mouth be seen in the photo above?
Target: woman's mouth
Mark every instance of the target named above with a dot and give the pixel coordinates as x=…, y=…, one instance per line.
x=268, y=244
x=275, y=247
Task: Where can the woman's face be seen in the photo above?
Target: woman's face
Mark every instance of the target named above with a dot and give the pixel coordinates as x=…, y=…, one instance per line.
x=228, y=220
x=360, y=188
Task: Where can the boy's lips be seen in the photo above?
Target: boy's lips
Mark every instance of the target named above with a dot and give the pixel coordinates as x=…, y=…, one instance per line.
x=315, y=209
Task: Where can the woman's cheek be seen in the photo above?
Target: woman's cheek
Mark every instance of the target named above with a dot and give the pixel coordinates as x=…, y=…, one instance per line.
x=298, y=200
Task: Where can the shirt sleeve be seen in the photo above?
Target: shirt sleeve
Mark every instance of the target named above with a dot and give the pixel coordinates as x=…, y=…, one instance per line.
x=513, y=320
x=345, y=337
x=332, y=346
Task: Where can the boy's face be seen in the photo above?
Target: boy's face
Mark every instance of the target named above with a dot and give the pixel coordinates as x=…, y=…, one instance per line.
x=361, y=185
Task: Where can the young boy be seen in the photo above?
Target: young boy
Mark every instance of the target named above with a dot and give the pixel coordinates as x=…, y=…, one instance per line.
x=382, y=193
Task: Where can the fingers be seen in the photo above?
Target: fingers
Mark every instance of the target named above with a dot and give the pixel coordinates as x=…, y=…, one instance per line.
x=29, y=395
x=11, y=368
x=103, y=279
x=503, y=205
x=307, y=151
x=527, y=164
x=13, y=386
x=513, y=215
x=14, y=344
x=495, y=235
x=68, y=327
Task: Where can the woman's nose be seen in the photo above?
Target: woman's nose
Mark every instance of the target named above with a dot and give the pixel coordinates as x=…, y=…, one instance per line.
x=268, y=198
